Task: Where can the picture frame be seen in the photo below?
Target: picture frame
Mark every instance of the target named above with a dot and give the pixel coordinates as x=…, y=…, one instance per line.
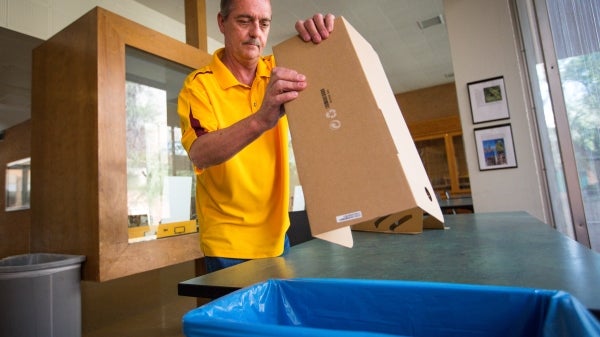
x=488, y=100
x=18, y=185
x=495, y=147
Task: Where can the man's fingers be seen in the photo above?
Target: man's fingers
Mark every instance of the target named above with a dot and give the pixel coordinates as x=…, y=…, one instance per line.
x=317, y=28
x=322, y=27
x=282, y=73
x=329, y=22
x=287, y=96
x=284, y=86
x=304, y=35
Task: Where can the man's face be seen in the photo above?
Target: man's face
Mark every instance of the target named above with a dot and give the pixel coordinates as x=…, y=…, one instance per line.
x=246, y=28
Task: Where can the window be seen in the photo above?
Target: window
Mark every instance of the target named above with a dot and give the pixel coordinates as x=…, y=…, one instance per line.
x=18, y=184
x=561, y=39
x=160, y=177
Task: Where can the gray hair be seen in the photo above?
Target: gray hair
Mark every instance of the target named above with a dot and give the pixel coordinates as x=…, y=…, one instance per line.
x=226, y=8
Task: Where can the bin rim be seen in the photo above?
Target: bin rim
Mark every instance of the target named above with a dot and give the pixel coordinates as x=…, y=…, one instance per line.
x=240, y=313
x=38, y=261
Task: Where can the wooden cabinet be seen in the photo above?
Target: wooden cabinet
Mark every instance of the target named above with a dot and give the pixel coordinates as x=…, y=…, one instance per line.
x=79, y=145
x=441, y=148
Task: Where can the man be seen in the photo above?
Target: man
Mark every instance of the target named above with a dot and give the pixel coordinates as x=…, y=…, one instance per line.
x=235, y=132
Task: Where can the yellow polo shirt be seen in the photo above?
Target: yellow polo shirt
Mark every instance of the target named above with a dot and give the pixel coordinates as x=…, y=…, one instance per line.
x=242, y=204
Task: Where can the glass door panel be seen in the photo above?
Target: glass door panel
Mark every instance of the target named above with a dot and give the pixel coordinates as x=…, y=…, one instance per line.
x=575, y=30
x=562, y=54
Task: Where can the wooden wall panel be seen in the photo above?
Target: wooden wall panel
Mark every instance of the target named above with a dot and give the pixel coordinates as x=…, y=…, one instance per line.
x=64, y=160
x=429, y=103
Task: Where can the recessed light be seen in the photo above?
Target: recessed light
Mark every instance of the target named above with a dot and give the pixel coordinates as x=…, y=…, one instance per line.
x=436, y=20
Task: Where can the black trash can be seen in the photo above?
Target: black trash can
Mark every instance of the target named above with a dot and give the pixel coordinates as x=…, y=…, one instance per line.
x=40, y=295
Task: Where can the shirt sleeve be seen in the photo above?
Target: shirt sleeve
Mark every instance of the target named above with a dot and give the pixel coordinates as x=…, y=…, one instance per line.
x=195, y=113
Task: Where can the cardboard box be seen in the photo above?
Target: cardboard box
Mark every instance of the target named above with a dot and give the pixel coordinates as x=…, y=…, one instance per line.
x=356, y=159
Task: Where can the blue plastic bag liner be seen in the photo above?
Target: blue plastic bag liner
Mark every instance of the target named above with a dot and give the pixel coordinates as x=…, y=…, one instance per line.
x=348, y=308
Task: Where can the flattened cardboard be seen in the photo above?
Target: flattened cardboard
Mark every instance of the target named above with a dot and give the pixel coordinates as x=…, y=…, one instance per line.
x=355, y=157
x=406, y=222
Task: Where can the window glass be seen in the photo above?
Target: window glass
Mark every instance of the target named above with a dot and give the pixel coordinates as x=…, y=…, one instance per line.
x=574, y=30
x=160, y=176
x=18, y=184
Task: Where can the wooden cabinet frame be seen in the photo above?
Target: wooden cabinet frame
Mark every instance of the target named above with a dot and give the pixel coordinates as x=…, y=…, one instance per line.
x=443, y=128
x=79, y=199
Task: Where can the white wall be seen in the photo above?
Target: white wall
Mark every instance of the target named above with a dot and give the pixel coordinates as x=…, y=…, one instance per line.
x=483, y=45
x=44, y=18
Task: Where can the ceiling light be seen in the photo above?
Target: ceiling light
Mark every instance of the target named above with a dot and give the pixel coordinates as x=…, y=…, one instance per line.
x=436, y=20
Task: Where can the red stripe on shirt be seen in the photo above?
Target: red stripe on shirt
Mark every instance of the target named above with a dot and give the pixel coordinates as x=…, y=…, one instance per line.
x=195, y=124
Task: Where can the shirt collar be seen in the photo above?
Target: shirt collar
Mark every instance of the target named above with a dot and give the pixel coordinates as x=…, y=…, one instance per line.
x=224, y=75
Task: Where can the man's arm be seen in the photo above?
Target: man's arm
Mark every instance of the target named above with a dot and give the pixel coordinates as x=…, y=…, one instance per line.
x=216, y=147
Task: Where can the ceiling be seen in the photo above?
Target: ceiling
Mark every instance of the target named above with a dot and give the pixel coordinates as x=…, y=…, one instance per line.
x=413, y=58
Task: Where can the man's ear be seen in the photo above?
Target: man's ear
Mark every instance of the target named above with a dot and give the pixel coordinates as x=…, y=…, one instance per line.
x=221, y=22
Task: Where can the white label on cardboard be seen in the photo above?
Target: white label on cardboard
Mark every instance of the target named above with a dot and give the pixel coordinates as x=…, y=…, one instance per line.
x=348, y=216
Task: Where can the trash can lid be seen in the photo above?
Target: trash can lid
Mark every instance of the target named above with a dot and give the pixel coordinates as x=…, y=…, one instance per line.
x=37, y=261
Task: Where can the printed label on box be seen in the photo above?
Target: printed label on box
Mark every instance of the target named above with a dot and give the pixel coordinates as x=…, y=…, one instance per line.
x=349, y=216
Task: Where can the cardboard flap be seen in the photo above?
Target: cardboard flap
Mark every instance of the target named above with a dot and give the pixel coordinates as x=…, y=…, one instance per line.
x=407, y=222
x=341, y=236
x=408, y=156
x=420, y=185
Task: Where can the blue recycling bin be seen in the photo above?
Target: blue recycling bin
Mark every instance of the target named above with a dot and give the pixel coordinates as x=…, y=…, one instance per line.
x=348, y=308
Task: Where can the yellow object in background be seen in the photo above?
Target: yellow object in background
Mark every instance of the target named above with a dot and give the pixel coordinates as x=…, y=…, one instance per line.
x=176, y=228
x=139, y=231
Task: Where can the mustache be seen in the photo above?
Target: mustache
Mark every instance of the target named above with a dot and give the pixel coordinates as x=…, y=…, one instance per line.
x=253, y=42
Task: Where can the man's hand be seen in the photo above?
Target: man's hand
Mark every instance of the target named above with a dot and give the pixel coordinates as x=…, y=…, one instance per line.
x=315, y=29
x=284, y=86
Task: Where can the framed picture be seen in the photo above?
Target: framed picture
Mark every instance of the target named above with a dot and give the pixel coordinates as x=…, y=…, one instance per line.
x=495, y=148
x=488, y=100
x=18, y=184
